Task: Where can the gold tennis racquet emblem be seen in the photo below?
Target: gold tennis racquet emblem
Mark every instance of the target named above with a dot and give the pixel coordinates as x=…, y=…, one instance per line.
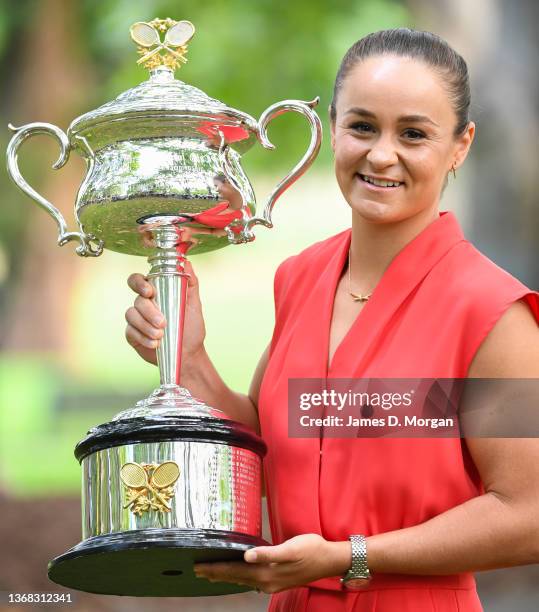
x=148, y=39
x=150, y=486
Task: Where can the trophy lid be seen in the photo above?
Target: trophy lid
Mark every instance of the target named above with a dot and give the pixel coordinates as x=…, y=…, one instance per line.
x=164, y=105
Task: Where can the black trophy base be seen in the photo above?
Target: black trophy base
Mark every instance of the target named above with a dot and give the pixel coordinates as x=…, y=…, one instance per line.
x=151, y=562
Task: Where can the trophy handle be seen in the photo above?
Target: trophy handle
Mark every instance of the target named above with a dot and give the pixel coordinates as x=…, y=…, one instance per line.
x=305, y=109
x=89, y=245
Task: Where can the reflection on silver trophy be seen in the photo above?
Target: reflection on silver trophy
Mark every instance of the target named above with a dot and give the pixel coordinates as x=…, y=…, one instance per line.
x=169, y=481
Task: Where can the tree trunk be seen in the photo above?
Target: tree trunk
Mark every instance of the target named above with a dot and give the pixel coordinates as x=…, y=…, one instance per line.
x=51, y=84
x=499, y=42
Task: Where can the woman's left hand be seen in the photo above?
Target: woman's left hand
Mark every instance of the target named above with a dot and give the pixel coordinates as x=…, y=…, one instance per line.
x=296, y=562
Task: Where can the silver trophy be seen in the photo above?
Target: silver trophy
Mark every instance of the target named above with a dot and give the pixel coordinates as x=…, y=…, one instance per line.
x=169, y=481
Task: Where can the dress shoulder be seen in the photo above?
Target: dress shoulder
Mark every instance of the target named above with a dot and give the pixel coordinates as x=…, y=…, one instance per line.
x=485, y=282
x=292, y=269
x=483, y=291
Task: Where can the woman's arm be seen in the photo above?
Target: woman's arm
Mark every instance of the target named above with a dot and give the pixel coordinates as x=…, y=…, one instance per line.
x=145, y=326
x=204, y=382
x=494, y=530
x=501, y=527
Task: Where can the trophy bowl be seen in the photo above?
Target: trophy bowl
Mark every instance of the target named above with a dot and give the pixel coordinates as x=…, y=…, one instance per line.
x=170, y=481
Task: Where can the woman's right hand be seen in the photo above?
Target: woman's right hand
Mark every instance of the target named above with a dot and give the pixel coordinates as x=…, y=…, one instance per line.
x=146, y=324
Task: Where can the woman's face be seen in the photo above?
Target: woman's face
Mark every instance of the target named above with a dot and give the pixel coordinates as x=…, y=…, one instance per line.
x=229, y=193
x=394, y=124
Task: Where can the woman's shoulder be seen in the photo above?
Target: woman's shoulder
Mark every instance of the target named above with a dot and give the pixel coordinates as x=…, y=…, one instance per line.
x=493, y=303
x=511, y=348
x=469, y=275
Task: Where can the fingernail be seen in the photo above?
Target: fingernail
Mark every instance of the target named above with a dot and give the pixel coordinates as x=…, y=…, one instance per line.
x=157, y=320
x=150, y=343
x=250, y=555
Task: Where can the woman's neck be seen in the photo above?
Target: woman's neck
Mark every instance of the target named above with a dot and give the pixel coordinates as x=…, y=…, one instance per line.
x=374, y=246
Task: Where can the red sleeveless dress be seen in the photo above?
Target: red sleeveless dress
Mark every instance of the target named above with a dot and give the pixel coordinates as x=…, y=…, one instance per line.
x=434, y=305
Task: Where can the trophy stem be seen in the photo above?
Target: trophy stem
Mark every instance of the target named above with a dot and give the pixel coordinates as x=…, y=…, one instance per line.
x=169, y=278
x=170, y=242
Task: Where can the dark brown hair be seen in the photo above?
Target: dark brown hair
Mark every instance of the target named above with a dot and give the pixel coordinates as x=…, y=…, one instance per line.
x=425, y=46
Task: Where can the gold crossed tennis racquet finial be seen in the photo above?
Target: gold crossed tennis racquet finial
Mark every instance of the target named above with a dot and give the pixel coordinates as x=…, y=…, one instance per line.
x=150, y=45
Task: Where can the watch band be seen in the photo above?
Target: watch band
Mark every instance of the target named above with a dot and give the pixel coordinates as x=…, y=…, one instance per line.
x=359, y=570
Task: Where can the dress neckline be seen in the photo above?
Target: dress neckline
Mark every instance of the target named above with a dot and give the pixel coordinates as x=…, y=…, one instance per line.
x=405, y=270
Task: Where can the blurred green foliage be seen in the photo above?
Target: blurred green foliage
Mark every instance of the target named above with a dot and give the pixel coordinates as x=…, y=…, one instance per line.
x=247, y=54
x=244, y=53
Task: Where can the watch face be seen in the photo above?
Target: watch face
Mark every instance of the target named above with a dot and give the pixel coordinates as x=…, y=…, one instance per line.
x=356, y=584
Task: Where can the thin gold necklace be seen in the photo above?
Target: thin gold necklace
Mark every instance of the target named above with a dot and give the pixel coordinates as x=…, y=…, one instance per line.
x=357, y=298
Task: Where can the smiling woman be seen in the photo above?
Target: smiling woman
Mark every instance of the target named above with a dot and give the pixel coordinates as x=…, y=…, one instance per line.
x=383, y=524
